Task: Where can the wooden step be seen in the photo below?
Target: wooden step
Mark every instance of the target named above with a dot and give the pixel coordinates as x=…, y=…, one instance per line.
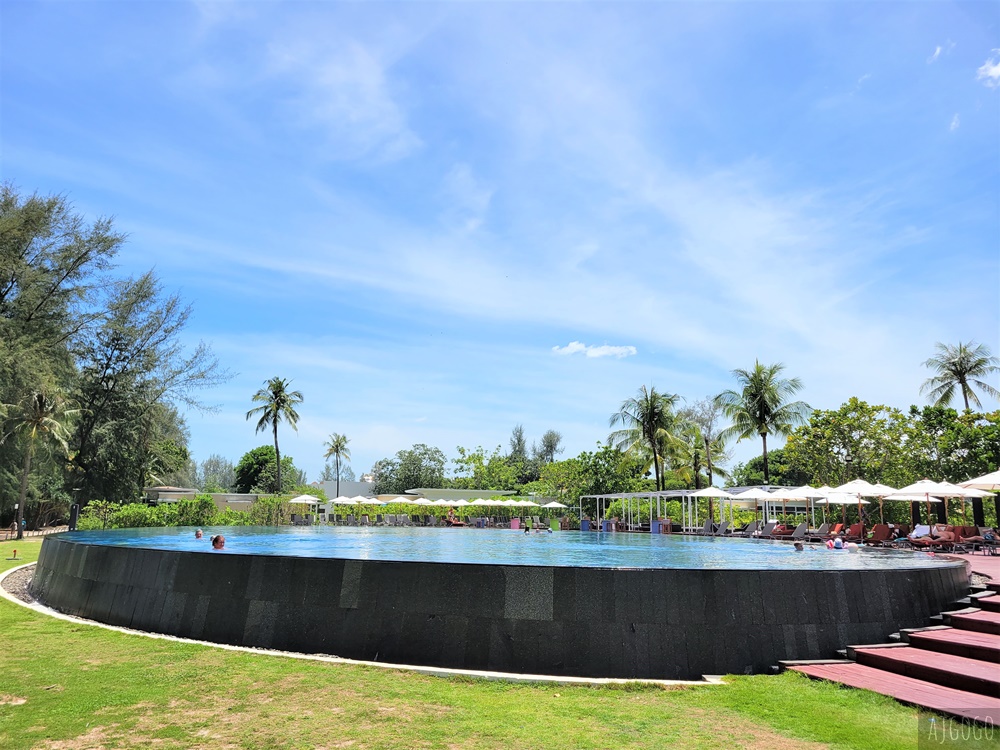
x=991, y=604
x=958, y=672
x=967, y=643
x=944, y=700
x=977, y=620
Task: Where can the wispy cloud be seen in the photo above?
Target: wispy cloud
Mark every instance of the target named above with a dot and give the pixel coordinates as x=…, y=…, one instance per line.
x=468, y=198
x=343, y=89
x=593, y=352
x=989, y=71
x=955, y=122
x=935, y=55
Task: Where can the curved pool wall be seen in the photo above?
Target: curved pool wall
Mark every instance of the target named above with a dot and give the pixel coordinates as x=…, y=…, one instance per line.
x=590, y=622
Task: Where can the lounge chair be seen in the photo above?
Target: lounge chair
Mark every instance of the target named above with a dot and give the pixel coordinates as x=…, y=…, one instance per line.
x=766, y=532
x=881, y=536
x=749, y=530
x=820, y=535
x=706, y=530
x=723, y=528
x=856, y=533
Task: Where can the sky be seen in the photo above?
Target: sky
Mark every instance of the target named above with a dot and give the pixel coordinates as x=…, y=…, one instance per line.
x=441, y=220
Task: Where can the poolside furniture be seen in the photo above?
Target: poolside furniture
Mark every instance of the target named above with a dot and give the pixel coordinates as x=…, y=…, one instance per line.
x=707, y=528
x=723, y=528
x=855, y=533
x=765, y=533
x=749, y=530
x=820, y=535
x=881, y=536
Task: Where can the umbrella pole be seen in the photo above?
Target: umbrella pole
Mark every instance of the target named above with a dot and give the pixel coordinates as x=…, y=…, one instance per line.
x=881, y=511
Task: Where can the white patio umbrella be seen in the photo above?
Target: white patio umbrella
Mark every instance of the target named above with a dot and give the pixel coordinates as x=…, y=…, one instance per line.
x=925, y=488
x=989, y=482
x=304, y=500
x=344, y=501
x=554, y=504
x=755, y=494
x=864, y=488
x=843, y=500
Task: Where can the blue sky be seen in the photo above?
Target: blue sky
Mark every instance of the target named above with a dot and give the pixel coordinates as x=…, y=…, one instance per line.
x=442, y=220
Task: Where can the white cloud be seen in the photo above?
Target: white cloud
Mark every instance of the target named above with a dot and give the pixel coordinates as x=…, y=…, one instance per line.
x=593, y=352
x=935, y=56
x=468, y=198
x=989, y=71
x=955, y=122
x=344, y=90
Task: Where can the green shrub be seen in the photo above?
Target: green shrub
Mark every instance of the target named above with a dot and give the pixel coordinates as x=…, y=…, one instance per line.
x=197, y=512
x=230, y=517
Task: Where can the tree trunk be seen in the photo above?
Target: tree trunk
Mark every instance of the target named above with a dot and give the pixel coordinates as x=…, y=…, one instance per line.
x=767, y=476
x=23, y=494
x=277, y=456
x=656, y=465
x=338, y=474
x=708, y=460
x=965, y=393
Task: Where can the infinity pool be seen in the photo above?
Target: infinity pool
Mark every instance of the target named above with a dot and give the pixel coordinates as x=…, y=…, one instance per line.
x=505, y=547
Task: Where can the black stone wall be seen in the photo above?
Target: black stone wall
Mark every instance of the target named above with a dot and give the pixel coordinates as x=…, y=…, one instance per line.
x=667, y=624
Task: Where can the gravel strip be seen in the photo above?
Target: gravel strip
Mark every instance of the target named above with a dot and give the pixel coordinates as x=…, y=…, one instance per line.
x=17, y=583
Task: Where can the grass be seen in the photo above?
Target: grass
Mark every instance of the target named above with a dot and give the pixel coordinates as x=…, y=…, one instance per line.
x=64, y=685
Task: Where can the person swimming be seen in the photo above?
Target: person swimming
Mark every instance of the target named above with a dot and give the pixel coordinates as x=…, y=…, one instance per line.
x=799, y=547
x=218, y=542
x=199, y=534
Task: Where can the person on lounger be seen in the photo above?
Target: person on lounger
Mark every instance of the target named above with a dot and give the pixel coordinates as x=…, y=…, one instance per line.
x=985, y=535
x=940, y=534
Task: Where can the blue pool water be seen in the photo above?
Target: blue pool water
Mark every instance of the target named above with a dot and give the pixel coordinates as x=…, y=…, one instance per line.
x=506, y=547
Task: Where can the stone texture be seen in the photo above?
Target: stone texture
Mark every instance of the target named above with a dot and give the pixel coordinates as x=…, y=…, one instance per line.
x=671, y=624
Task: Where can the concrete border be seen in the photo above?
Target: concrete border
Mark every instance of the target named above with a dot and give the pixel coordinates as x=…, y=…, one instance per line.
x=41, y=609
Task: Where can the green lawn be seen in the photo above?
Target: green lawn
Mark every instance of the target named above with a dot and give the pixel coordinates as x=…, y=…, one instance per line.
x=71, y=686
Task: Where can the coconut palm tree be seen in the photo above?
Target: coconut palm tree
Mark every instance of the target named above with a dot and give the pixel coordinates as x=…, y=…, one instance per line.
x=761, y=406
x=337, y=446
x=647, y=421
x=960, y=367
x=40, y=416
x=276, y=403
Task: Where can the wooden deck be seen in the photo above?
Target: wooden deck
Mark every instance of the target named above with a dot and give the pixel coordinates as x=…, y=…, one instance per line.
x=979, y=621
x=944, y=700
x=982, y=646
x=958, y=672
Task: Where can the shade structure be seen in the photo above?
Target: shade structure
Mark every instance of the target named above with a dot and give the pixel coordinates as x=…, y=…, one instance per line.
x=305, y=500
x=755, y=493
x=926, y=488
x=711, y=492
x=812, y=493
x=843, y=499
x=864, y=488
x=989, y=482
x=401, y=499
x=344, y=501
x=554, y=504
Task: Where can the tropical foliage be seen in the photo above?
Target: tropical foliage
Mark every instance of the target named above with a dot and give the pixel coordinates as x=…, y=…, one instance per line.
x=647, y=428
x=336, y=447
x=959, y=369
x=761, y=406
x=277, y=404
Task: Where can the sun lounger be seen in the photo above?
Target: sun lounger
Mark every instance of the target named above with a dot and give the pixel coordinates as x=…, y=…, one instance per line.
x=881, y=536
x=706, y=530
x=768, y=529
x=723, y=528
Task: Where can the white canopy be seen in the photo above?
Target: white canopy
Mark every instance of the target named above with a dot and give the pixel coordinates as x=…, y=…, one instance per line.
x=305, y=500
x=554, y=504
x=842, y=499
x=926, y=488
x=865, y=488
x=989, y=482
x=344, y=501
x=755, y=493
x=811, y=492
x=711, y=492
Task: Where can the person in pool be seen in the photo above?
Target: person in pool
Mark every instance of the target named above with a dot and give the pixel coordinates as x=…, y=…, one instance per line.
x=198, y=534
x=799, y=547
x=218, y=542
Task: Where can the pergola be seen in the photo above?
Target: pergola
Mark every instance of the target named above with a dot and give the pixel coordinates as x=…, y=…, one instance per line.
x=634, y=501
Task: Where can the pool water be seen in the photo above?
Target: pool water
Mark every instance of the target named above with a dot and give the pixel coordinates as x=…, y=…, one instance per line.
x=508, y=547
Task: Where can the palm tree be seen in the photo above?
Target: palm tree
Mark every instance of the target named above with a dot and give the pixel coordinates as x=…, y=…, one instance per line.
x=337, y=446
x=39, y=416
x=960, y=366
x=646, y=422
x=276, y=403
x=761, y=406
